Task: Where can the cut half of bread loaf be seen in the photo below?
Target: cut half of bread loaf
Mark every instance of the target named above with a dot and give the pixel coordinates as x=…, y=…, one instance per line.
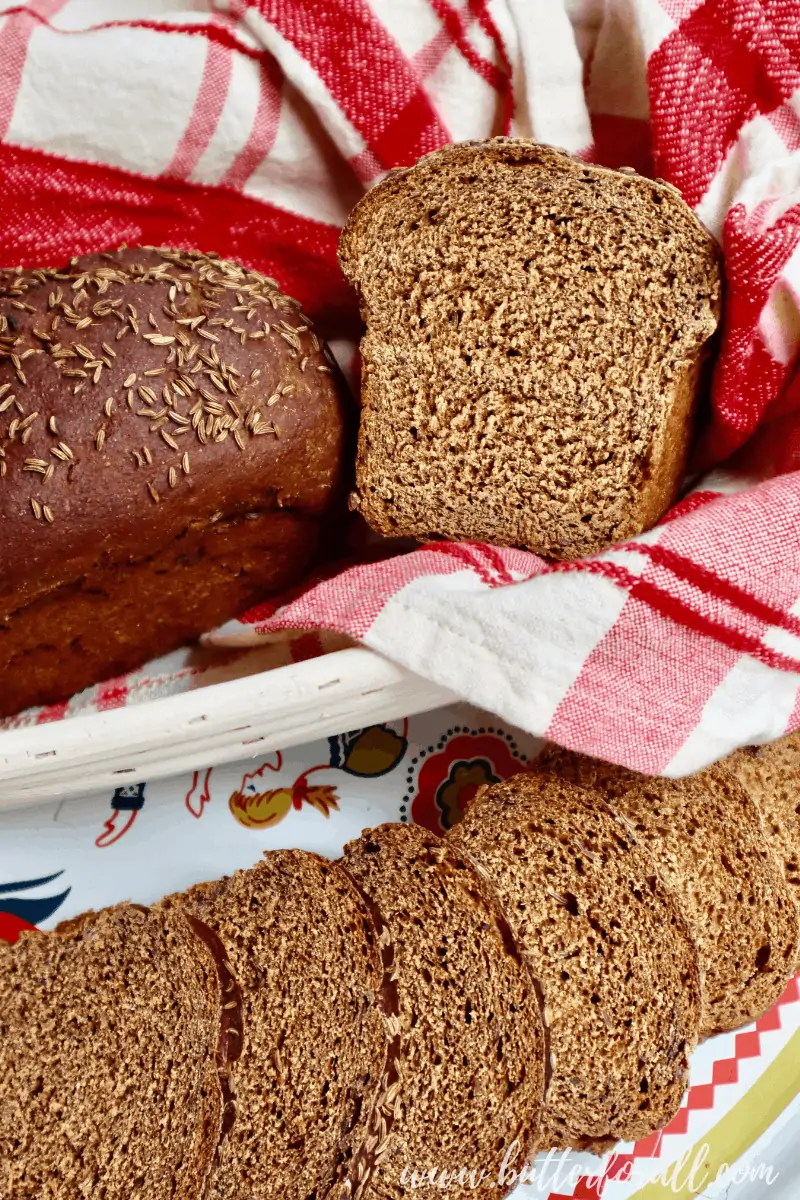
x=707, y=839
x=109, y=1032
x=468, y=1018
x=615, y=958
x=771, y=777
x=534, y=336
x=304, y=951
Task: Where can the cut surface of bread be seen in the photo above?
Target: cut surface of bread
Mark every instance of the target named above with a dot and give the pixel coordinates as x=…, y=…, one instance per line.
x=617, y=964
x=108, y=1035
x=534, y=337
x=303, y=949
x=707, y=839
x=586, y=772
x=468, y=1018
x=771, y=777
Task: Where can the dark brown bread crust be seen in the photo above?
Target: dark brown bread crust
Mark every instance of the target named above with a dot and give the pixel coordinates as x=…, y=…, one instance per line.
x=451, y=441
x=196, y=582
x=146, y=395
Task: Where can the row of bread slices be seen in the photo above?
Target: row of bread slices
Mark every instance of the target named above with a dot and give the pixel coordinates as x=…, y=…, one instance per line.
x=535, y=979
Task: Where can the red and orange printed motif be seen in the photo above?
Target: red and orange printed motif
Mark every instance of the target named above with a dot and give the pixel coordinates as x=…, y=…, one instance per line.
x=366, y=753
x=443, y=778
x=259, y=810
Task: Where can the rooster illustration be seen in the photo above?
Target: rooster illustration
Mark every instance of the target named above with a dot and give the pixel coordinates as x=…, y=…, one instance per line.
x=365, y=753
x=259, y=810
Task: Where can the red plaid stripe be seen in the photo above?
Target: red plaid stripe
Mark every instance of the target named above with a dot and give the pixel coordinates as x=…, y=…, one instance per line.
x=365, y=73
x=264, y=129
x=14, y=40
x=724, y=64
x=83, y=207
x=207, y=111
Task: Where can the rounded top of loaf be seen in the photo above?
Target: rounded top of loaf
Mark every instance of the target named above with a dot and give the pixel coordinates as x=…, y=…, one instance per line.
x=512, y=151
x=146, y=390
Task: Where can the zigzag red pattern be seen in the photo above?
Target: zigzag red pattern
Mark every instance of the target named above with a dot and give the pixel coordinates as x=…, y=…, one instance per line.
x=724, y=1073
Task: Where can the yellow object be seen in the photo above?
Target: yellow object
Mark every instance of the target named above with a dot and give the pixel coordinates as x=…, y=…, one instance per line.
x=731, y=1137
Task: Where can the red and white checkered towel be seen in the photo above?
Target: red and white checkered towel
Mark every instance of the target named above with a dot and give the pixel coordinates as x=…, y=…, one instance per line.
x=252, y=128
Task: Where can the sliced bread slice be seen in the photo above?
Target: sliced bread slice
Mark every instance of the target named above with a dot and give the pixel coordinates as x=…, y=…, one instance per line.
x=468, y=1019
x=108, y=1034
x=587, y=772
x=617, y=964
x=534, y=336
x=708, y=841
x=771, y=777
x=303, y=948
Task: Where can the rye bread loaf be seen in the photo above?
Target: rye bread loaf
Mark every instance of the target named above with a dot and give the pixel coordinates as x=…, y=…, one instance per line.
x=771, y=777
x=616, y=962
x=468, y=1020
x=534, y=336
x=109, y=1030
x=707, y=839
x=303, y=949
x=172, y=435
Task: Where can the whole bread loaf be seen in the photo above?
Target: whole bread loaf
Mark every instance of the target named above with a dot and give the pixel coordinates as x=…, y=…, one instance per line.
x=172, y=434
x=535, y=329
